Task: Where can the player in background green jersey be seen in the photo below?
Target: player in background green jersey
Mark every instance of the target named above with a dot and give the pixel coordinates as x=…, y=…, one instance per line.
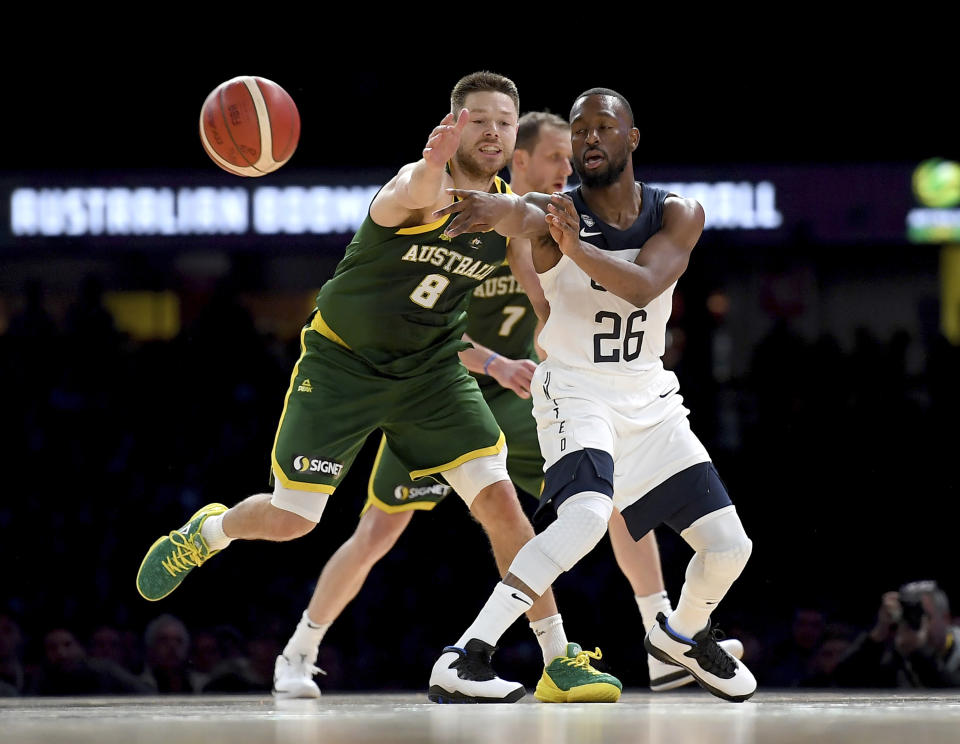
x=381, y=352
x=502, y=327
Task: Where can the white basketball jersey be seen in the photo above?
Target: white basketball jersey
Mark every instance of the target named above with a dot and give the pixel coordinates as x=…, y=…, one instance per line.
x=591, y=328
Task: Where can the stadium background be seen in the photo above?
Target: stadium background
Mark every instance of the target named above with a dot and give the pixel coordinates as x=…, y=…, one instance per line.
x=812, y=355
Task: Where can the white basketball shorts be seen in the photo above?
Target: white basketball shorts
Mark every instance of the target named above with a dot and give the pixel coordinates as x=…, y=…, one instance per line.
x=639, y=419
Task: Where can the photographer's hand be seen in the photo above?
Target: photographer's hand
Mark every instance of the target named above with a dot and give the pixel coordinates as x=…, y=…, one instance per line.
x=888, y=616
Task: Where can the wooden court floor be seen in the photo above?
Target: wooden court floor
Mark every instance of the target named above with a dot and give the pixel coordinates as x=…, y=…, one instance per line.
x=688, y=717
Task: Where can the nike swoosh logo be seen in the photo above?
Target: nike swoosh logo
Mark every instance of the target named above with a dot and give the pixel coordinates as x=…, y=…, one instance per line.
x=517, y=596
x=585, y=234
x=667, y=393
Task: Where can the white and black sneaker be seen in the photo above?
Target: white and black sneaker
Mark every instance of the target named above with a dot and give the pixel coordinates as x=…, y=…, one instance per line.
x=702, y=656
x=464, y=675
x=293, y=678
x=665, y=676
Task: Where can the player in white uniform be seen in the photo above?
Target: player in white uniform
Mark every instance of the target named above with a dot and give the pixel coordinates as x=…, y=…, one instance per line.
x=612, y=425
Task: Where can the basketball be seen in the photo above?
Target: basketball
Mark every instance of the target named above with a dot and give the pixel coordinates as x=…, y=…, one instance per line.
x=249, y=126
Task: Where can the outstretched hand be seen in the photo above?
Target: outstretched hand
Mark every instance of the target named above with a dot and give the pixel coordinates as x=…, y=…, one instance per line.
x=477, y=211
x=445, y=139
x=564, y=223
x=513, y=374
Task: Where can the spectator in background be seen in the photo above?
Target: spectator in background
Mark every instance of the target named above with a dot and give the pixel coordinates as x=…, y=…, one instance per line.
x=205, y=655
x=106, y=642
x=791, y=659
x=837, y=639
x=33, y=322
x=913, y=644
x=249, y=672
x=89, y=322
x=67, y=670
x=217, y=654
x=12, y=674
x=167, y=643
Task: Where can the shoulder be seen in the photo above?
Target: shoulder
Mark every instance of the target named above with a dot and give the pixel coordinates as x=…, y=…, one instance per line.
x=682, y=210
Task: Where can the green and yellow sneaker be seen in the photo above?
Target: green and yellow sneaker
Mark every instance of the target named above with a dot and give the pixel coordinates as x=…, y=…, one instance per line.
x=571, y=679
x=171, y=558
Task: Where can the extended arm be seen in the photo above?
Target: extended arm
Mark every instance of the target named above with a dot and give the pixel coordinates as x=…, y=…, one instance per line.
x=508, y=214
x=419, y=186
x=513, y=374
x=519, y=256
x=662, y=260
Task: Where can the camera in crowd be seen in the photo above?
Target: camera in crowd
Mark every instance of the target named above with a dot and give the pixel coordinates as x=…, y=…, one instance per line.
x=911, y=602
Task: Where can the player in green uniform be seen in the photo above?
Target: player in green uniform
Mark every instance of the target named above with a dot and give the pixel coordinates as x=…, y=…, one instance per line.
x=381, y=352
x=502, y=326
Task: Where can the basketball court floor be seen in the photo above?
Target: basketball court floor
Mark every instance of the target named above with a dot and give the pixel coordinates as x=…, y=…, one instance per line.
x=688, y=717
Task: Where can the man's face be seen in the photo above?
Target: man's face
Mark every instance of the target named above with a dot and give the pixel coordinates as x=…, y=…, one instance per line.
x=106, y=643
x=548, y=166
x=808, y=626
x=490, y=134
x=10, y=638
x=170, y=647
x=602, y=139
x=62, y=649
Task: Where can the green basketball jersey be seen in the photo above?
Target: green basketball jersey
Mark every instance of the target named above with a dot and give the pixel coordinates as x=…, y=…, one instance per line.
x=398, y=297
x=501, y=317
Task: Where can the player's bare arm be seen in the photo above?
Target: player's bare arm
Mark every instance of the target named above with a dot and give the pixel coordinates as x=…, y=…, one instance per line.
x=662, y=260
x=510, y=215
x=513, y=374
x=520, y=258
x=417, y=190
x=517, y=217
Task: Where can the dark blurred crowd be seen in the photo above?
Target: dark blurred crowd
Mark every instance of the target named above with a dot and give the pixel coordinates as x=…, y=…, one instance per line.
x=841, y=464
x=913, y=644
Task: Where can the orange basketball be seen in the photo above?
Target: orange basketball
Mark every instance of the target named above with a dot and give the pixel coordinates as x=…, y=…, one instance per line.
x=249, y=126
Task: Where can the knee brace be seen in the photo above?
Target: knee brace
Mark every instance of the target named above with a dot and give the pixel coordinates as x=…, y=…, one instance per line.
x=581, y=522
x=722, y=550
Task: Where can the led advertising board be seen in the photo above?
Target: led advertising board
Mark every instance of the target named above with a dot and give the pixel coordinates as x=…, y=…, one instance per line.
x=819, y=205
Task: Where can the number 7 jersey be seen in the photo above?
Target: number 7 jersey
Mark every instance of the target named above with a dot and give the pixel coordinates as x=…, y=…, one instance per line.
x=591, y=328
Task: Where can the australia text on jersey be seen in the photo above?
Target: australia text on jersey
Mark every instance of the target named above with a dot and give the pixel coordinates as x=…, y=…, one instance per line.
x=499, y=286
x=453, y=262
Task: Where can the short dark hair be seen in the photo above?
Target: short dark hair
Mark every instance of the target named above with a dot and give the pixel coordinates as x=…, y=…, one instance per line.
x=606, y=92
x=532, y=123
x=477, y=82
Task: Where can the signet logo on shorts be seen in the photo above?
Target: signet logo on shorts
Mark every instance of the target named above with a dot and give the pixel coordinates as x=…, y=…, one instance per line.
x=305, y=387
x=304, y=464
x=402, y=493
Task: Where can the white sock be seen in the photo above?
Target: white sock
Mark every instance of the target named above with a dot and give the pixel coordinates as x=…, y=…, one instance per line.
x=212, y=532
x=692, y=613
x=551, y=637
x=722, y=550
x=501, y=611
x=306, y=638
x=651, y=605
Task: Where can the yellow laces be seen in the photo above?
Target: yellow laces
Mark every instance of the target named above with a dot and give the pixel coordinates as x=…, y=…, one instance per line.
x=583, y=660
x=185, y=556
